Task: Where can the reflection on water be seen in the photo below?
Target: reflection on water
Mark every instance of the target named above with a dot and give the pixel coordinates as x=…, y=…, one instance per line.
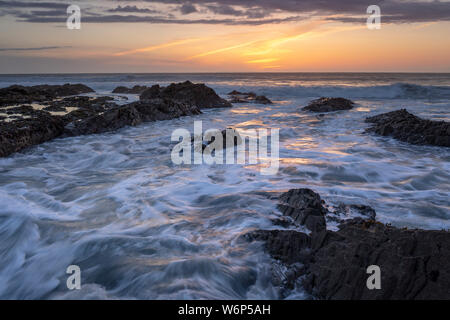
x=141, y=227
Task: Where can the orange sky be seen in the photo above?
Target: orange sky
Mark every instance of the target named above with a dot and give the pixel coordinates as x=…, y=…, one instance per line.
x=313, y=45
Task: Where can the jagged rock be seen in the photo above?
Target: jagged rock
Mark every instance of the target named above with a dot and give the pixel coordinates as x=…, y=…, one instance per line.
x=189, y=93
x=17, y=94
x=248, y=97
x=134, y=90
x=305, y=207
x=415, y=264
x=407, y=127
x=130, y=115
x=27, y=126
x=329, y=105
x=18, y=135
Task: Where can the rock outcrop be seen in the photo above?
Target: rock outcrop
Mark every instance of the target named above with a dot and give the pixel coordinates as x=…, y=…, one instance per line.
x=305, y=207
x=329, y=105
x=197, y=95
x=415, y=264
x=248, y=97
x=15, y=136
x=134, y=90
x=407, y=127
x=131, y=114
x=27, y=125
x=20, y=94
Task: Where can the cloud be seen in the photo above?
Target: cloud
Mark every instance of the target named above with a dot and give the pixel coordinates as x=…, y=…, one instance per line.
x=32, y=4
x=32, y=49
x=233, y=12
x=401, y=11
x=132, y=9
x=154, y=19
x=188, y=8
x=156, y=47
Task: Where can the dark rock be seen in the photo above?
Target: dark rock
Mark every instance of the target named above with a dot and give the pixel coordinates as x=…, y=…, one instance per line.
x=20, y=94
x=248, y=97
x=18, y=135
x=152, y=93
x=407, y=127
x=130, y=115
x=197, y=95
x=91, y=115
x=415, y=264
x=229, y=133
x=288, y=246
x=134, y=90
x=329, y=105
x=305, y=207
x=345, y=211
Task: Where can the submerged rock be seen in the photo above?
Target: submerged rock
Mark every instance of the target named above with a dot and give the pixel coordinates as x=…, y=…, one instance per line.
x=407, y=127
x=189, y=93
x=17, y=94
x=248, y=97
x=329, y=105
x=134, y=90
x=230, y=134
x=415, y=264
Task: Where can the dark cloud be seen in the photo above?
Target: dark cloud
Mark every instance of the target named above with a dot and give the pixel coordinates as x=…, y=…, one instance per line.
x=154, y=19
x=32, y=4
x=394, y=10
x=30, y=49
x=234, y=12
x=188, y=8
x=132, y=9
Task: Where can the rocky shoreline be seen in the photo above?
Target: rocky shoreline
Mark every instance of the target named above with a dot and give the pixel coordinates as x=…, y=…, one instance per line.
x=414, y=264
x=23, y=125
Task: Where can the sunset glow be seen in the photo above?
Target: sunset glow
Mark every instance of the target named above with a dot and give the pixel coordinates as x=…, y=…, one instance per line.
x=208, y=41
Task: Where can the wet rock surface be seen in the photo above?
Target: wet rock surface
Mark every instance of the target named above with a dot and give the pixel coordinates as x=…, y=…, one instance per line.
x=15, y=136
x=25, y=125
x=415, y=264
x=134, y=90
x=131, y=114
x=329, y=105
x=407, y=127
x=247, y=97
x=198, y=95
x=20, y=94
x=305, y=207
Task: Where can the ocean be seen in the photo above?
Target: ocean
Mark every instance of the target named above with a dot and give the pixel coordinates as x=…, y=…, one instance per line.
x=141, y=227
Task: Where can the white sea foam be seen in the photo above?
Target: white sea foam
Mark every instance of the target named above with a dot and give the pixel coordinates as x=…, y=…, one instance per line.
x=141, y=227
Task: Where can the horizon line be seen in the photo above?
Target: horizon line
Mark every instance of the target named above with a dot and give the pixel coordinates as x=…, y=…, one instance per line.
x=230, y=72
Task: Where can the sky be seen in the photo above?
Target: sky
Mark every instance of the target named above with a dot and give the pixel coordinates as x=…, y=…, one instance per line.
x=224, y=36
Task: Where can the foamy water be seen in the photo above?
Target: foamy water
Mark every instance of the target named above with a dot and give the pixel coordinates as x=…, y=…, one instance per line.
x=141, y=227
